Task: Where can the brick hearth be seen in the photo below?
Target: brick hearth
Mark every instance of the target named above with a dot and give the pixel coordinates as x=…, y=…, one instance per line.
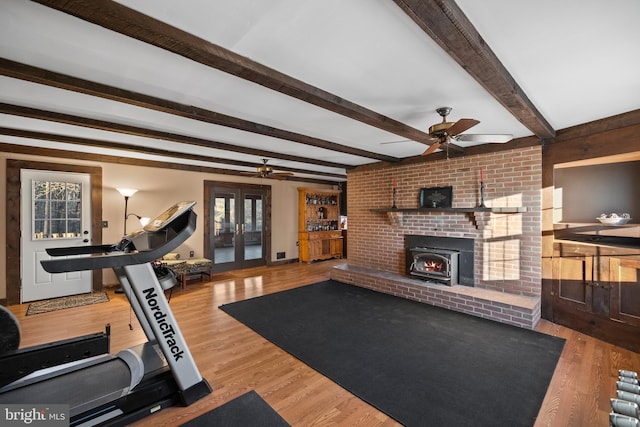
x=507, y=247
x=506, y=308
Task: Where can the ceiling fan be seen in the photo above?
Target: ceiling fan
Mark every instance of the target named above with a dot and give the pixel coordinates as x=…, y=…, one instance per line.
x=445, y=132
x=266, y=171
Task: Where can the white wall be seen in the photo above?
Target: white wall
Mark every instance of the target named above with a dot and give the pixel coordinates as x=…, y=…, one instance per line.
x=158, y=189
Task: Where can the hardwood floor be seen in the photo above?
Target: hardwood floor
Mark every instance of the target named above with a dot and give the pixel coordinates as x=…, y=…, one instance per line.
x=235, y=360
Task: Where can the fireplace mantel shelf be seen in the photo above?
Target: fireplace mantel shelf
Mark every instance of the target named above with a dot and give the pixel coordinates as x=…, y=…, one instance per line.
x=481, y=216
x=462, y=210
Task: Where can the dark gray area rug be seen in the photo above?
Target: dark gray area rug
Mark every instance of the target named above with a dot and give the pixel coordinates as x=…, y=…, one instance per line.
x=419, y=364
x=248, y=410
x=55, y=304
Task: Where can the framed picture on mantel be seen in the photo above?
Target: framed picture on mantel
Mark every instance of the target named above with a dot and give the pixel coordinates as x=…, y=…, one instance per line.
x=436, y=197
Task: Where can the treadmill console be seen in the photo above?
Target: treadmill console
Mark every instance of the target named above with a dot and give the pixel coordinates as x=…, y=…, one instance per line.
x=162, y=235
x=165, y=218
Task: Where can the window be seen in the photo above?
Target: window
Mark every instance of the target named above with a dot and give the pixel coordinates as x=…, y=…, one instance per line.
x=57, y=209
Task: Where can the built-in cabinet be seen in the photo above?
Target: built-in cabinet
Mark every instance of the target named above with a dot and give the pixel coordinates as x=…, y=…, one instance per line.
x=582, y=282
x=319, y=234
x=596, y=289
x=588, y=170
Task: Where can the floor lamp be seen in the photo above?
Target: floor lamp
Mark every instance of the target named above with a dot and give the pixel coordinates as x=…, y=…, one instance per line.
x=126, y=192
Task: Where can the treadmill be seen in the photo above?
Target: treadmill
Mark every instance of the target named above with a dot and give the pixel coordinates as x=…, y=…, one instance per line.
x=106, y=389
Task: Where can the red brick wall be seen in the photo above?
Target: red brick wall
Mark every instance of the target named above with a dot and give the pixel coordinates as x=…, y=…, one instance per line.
x=508, y=249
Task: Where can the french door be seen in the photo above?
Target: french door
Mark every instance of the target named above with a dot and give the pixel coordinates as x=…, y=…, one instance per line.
x=237, y=226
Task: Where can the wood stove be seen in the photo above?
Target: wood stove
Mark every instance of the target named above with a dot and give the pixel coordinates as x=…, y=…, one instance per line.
x=440, y=265
x=444, y=246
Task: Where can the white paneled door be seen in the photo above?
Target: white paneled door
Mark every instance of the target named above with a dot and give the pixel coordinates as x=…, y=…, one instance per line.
x=55, y=211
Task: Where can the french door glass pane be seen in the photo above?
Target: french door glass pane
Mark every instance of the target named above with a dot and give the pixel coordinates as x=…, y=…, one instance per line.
x=252, y=226
x=224, y=224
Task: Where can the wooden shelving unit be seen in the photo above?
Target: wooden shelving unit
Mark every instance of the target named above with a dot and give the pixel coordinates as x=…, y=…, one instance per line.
x=319, y=234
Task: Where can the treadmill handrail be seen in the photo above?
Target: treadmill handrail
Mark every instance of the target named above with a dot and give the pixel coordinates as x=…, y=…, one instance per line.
x=80, y=250
x=120, y=259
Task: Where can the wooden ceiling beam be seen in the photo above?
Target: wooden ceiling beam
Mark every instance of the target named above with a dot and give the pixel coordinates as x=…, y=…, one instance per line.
x=87, y=142
x=62, y=81
x=34, y=113
x=129, y=22
x=104, y=158
x=448, y=26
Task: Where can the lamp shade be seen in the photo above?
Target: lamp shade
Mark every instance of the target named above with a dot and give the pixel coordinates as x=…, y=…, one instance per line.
x=127, y=192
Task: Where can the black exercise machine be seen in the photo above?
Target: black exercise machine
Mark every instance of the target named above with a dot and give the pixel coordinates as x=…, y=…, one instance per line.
x=104, y=389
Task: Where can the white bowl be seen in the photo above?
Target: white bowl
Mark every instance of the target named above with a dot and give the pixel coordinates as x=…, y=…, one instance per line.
x=614, y=221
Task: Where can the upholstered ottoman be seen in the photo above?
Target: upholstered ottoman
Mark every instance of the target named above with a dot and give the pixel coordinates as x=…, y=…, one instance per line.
x=189, y=267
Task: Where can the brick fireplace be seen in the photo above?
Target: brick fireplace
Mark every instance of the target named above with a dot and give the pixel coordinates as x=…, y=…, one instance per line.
x=506, y=279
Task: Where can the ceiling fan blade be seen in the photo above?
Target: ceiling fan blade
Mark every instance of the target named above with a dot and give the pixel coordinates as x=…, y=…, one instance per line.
x=485, y=139
x=279, y=175
x=433, y=139
x=396, y=142
x=461, y=125
x=433, y=147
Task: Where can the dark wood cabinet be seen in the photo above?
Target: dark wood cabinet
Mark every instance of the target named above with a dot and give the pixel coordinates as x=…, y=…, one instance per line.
x=625, y=291
x=576, y=284
x=596, y=290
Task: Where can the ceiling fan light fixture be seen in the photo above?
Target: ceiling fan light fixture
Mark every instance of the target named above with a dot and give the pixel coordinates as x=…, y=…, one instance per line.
x=440, y=129
x=445, y=132
x=265, y=171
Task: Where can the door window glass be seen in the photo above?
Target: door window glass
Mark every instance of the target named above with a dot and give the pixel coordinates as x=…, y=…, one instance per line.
x=57, y=208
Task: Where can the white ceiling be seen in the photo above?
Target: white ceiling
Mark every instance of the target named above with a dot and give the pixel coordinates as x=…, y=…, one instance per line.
x=576, y=61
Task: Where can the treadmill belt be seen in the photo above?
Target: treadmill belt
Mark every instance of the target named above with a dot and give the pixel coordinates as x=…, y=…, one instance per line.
x=81, y=389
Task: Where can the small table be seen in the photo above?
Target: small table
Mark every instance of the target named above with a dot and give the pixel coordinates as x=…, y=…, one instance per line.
x=189, y=267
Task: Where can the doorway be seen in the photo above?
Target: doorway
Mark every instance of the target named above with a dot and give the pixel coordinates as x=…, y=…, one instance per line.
x=55, y=212
x=13, y=253
x=238, y=225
